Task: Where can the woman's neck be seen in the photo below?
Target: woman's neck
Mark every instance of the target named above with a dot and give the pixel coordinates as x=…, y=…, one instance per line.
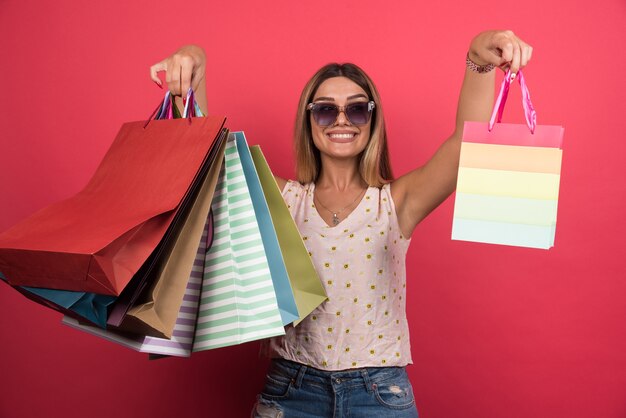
x=340, y=175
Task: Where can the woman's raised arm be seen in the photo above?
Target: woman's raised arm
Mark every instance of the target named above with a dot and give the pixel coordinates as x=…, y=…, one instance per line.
x=420, y=191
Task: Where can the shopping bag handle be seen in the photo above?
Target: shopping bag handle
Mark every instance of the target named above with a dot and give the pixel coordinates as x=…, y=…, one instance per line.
x=168, y=110
x=210, y=231
x=529, y=110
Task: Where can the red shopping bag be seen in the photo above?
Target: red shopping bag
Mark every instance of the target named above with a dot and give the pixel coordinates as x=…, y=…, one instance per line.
x=97, y=240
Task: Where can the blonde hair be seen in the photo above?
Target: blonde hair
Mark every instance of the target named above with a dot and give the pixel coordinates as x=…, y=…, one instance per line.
x=374, y=164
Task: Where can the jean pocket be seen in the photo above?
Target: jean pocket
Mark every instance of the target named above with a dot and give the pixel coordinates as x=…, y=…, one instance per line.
x=277, y=386
x=394, y=395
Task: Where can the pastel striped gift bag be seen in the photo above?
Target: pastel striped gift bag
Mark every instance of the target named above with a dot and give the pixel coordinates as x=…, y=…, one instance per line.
x=181, y=343
x=238, y=301
x=508, y=182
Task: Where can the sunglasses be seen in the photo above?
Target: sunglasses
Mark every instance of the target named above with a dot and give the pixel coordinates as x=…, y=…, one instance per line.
x=325, y=114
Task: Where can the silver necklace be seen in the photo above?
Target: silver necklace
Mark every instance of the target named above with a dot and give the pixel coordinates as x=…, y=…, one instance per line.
x=337, y=213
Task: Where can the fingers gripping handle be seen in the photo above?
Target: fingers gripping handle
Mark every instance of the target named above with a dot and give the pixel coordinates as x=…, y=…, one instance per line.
x=498, y=109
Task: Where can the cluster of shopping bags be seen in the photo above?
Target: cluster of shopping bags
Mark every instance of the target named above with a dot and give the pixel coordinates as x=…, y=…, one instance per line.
x=180, y=242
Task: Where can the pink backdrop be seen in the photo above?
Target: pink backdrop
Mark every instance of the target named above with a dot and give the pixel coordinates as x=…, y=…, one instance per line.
x=496, y=331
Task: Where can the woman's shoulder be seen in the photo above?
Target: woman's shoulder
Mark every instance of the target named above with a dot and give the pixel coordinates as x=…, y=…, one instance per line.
x=385, y=198
x=284, y=183
x=384, y=192
x=293, y=185
x=293, y=191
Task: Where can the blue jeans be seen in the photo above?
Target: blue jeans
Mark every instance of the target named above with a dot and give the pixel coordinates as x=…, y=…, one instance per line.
x=293, y=390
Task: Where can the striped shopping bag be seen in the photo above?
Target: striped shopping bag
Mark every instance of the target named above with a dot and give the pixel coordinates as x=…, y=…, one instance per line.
x=238, y=301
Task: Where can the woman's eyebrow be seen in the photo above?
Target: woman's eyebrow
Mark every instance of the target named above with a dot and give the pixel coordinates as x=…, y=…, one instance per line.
x=326, y=99
x=330, y=99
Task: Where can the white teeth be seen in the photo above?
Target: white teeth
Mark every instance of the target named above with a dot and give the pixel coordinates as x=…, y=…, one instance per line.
x=341, y=136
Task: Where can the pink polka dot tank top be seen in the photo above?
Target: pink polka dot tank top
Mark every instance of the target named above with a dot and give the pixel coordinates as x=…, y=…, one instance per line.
x=361, y=263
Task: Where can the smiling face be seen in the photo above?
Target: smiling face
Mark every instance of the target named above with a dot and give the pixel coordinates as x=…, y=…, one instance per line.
x=340, y=139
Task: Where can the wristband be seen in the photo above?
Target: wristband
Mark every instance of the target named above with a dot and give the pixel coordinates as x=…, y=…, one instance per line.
x=480, y=69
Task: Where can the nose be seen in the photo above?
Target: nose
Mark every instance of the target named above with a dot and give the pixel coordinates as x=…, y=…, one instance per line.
x=342, y=119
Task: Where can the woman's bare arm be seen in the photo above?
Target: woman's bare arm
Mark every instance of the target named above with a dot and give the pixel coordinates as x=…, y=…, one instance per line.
x=420, y=191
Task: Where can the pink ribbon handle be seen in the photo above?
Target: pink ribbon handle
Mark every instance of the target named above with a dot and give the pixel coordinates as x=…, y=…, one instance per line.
x=498, y=108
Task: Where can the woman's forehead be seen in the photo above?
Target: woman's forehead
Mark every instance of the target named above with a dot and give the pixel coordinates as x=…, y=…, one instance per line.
x=339, y=88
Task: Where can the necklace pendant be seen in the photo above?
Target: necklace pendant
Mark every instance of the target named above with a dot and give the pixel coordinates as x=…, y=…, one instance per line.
x=335, y=219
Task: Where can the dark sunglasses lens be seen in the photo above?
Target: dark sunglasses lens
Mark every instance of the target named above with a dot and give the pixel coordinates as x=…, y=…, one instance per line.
x=358, y=113
x=325, y=114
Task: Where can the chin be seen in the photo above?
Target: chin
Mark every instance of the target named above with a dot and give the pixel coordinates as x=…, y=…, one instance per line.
x=345, y=152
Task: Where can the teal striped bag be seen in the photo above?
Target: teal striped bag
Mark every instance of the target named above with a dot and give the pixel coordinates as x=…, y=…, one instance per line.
x=238, y=301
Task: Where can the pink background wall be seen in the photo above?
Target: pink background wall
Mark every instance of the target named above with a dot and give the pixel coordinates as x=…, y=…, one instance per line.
x=496, y=331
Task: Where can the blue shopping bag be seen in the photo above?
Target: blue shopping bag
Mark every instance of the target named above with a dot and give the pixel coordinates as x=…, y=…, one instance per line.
x=280, y=278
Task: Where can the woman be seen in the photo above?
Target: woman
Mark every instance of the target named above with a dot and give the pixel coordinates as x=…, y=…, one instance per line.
x=348, y=357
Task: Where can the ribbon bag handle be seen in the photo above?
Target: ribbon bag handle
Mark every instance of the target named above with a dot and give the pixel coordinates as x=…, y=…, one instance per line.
x=191, y=106
x=498, y=108
x=168, y=110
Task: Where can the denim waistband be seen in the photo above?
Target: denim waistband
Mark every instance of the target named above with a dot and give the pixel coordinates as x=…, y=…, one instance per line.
x=366, y=376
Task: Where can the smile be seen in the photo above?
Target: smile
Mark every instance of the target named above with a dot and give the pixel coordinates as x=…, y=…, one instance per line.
x=341, y=137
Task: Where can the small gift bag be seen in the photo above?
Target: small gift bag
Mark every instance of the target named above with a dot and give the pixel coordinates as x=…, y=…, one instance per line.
x=508, y=182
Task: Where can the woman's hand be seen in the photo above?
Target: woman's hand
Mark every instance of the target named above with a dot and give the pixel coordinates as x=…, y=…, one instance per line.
x=501, y=48
x=183, y=69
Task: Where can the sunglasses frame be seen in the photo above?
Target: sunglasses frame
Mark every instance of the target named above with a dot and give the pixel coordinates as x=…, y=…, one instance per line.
x=371, y=105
